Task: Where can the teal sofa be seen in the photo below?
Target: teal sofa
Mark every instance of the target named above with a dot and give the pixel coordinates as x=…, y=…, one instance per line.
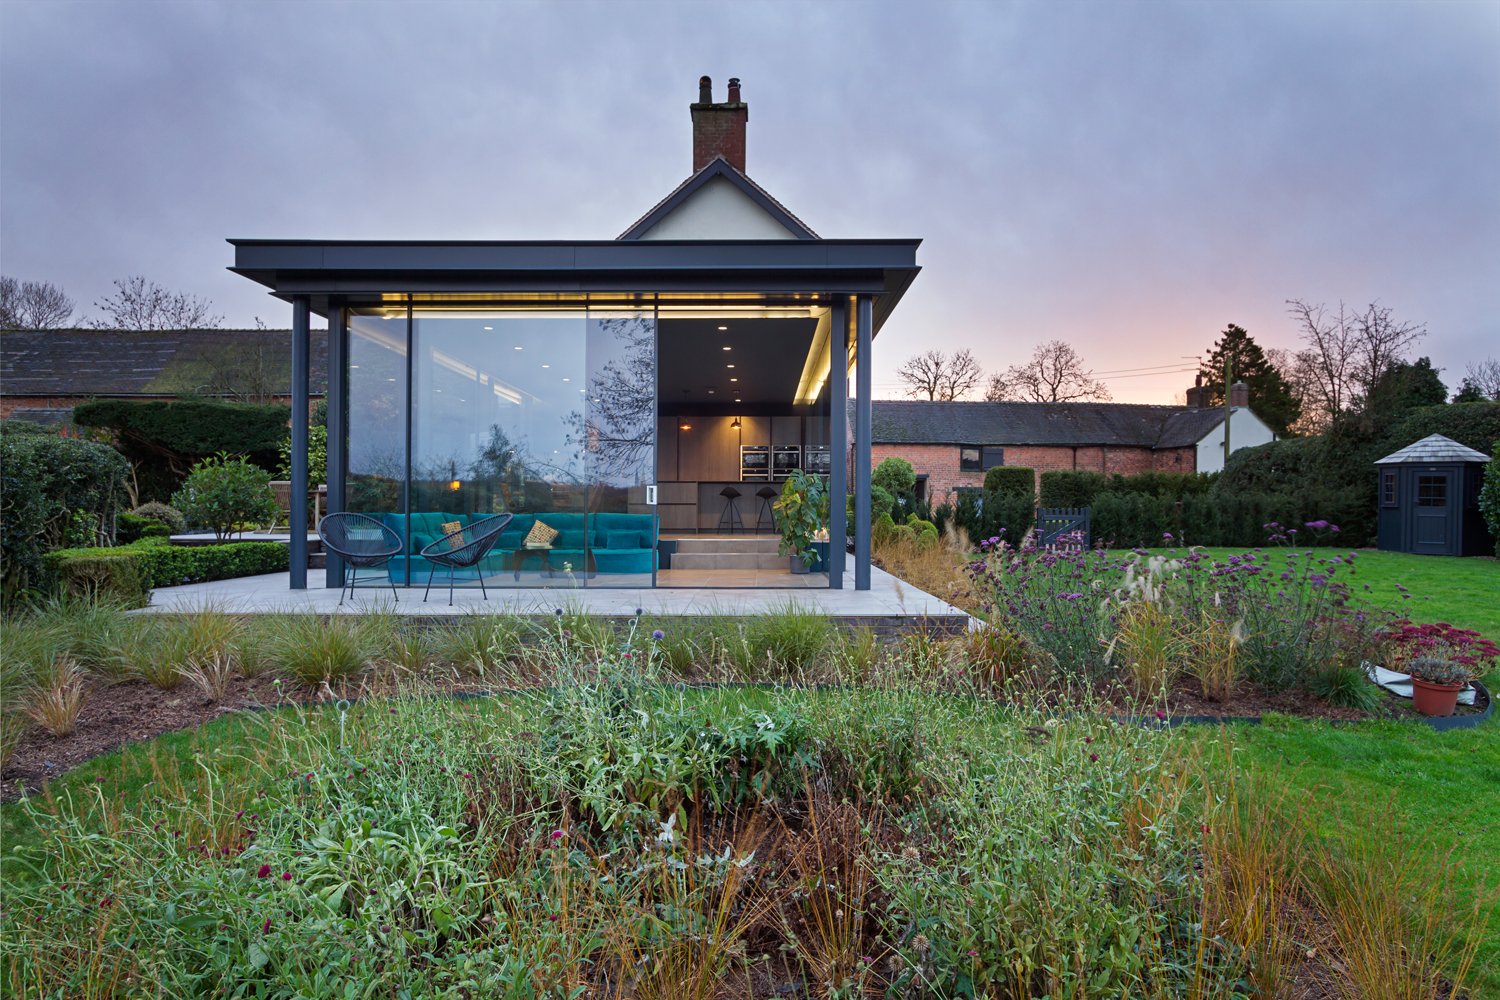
x=586, y=543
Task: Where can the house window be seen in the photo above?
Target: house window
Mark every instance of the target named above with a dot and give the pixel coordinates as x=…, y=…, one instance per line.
x=1432, y=491
x=993, y=457
x=969, y=459
x=1388, y=488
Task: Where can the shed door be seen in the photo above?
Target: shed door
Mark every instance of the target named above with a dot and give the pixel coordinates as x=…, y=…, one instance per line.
x=1434, y=512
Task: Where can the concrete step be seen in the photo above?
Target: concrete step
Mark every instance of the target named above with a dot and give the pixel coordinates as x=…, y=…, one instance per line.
x=723, y=544
x=729, y=560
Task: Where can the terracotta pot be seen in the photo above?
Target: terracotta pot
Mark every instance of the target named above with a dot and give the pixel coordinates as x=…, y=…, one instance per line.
x=1437, y=700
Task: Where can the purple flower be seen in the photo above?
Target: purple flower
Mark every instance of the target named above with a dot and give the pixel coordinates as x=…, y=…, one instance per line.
x=1317, y=525
x=658, y=635
x=263, y=872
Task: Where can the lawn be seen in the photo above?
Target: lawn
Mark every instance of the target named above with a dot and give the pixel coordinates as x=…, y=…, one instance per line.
x=1463, y=592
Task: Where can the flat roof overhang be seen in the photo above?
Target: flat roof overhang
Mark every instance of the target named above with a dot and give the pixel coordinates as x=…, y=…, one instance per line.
x=356, y=272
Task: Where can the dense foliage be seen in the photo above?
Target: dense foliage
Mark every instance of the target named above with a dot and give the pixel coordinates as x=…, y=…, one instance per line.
x=129, y=572
x=1010, y=479
x=1078, y=489
x=1489, y=495
x=1271, y=394
x=53, y=491
x=1333, y=476
x=223, y=493
x=164, y=439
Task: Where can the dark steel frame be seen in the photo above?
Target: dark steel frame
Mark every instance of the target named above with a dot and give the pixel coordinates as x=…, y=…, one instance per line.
x=866, y=277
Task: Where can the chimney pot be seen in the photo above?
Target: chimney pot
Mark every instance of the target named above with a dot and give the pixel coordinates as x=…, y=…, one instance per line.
x=734, y=90
x=705, y=90
x=1239, y=395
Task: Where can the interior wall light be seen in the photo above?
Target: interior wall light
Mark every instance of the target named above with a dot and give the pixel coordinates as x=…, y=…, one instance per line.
x=684, y=426
x=735, y=423
x=455, y=485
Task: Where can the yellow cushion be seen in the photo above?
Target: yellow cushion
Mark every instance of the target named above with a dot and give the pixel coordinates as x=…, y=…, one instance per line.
x=448, y=529
x=540, y=535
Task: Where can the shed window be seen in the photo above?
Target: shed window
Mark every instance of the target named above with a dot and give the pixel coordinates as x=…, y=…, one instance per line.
x=1388, y=488
x=1432, y=491
x=968, y=459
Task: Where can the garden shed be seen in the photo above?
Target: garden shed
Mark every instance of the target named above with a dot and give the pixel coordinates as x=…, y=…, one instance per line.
x=1429, y=499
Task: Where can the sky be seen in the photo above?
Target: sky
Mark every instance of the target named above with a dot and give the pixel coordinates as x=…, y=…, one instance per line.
x=1128, y=177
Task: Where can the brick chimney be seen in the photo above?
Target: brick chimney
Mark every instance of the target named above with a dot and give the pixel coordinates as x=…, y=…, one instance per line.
x=719, y=129
x=1195, y=397
x=1239, y=396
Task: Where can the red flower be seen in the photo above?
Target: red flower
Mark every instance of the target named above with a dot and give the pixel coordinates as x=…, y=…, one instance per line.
x=264, y=871
x=286, y=876
x=265, y=928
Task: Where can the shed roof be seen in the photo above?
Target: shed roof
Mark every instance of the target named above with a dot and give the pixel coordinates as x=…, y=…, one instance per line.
x=86, y=362
x=1059, y=424
x=1432, y=450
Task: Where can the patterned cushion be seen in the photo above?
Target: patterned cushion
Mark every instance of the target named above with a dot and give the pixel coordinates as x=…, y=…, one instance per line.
x=540, y=535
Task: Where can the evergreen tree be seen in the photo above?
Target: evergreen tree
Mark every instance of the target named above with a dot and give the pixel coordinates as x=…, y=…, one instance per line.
x=1404, y=386
x=1271, y=395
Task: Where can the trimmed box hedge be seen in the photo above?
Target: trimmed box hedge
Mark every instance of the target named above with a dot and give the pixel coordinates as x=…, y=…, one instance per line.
x=1010, y=479
x=129, y=572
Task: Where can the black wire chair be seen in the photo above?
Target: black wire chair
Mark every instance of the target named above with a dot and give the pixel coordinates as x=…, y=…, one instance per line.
x=463, y=549
x=361, y=541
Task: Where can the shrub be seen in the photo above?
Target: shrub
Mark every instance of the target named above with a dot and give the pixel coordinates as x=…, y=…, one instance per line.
x=1011, y=479
x=128, y=573
x=896, y=476
x=1072, y=489
x=132, y=528
x=48, y=485
x=984, y=514
x=1489, y=495
x=163, y=514
x=315, y=651
x=223, y=493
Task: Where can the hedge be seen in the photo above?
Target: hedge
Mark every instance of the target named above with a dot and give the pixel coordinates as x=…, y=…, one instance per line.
x=989, y=514
x=53, y=491
x=129, y=572
x=1011, y=479
x=1072, y=489
x=164, y=439
x=1078, y=489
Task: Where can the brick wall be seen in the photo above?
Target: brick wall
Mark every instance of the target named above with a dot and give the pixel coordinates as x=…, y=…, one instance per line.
x=939, y=462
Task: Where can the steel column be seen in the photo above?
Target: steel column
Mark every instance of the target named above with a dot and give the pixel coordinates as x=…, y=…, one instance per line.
x=338, y=426
x=301, y=350
x=863, y=335
x=838, y=442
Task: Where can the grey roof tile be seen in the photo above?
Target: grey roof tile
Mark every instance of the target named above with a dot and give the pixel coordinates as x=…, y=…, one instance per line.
x=1059, y=424
x=1432, y=449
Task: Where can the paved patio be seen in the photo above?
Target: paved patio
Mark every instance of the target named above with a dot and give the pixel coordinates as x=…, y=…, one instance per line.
x=888, y=601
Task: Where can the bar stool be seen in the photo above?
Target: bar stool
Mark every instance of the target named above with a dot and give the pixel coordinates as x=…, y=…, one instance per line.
x=766, y=514
x=731, y=513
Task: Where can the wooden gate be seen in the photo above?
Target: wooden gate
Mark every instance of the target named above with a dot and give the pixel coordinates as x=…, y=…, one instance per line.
x=1062, y=528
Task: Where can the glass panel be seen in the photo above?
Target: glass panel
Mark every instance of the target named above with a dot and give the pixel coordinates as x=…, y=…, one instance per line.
x=1388, y=489
x=1432, y=491
x=376, y=471
x=496, y=403
x=968, y=459
x=618, y=431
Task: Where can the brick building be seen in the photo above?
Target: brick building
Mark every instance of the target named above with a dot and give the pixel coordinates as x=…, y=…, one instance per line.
x=951, y=444
x=45, y=373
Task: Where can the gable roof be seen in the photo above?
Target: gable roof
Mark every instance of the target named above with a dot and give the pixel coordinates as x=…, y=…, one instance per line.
x=1432, y=449
x=719, y=167
x=81, y=362
x=1057, y=424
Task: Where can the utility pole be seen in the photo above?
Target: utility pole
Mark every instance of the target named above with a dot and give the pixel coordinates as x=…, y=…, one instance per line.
x=1228, y=409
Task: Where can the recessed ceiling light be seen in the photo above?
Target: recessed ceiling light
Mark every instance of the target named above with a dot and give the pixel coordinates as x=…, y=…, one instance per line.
x=728, y=348
x=729, y=366
x=736, y=399
x=732, y=379
x=520, y=348
x=723, y=328
x=354, y=366
x=566, y=379
x=546, y=366
x=489, y=328
x=390, y=380
x=710, y=392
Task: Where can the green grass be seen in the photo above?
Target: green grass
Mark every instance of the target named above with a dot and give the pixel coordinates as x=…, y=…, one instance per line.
x=1458, y=591
x=1445, y=786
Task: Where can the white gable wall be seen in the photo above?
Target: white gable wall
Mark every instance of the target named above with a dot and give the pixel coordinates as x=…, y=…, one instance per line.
x=1246, y=430
x=718, y=211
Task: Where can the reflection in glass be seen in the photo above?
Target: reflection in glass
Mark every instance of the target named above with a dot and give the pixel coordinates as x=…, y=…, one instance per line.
x=376, y=457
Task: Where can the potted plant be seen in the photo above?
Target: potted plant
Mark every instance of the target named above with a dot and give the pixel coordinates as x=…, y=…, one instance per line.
x=1435, y=684
x=799, y=515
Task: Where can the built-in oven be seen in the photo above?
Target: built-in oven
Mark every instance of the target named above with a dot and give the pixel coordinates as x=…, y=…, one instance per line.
x=785, y=458
x=755, y=463
x=818, y=460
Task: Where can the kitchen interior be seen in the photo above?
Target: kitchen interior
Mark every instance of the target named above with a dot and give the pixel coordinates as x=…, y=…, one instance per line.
x=742, y=402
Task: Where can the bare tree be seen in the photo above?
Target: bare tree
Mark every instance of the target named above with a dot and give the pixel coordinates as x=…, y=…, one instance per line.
x=935, y=375
x=139, y=304
x=33, y=305
x=1481, y=381
x=1055, y=373
x=1348, y=352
